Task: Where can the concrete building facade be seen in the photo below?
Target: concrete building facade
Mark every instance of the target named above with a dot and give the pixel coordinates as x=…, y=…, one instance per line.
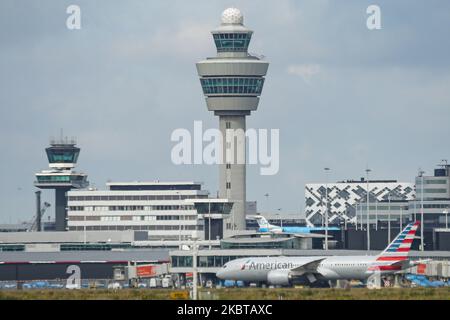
x=171, y=211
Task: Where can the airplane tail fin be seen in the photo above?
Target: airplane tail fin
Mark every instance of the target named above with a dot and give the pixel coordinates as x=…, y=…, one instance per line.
x=398, y=249
x=262, y=222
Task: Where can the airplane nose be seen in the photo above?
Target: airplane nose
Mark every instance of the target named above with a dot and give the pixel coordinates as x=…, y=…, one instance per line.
x=220, y=274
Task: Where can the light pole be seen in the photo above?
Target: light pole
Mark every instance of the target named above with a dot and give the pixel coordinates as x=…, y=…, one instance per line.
x=179, y=221
x=84, y=230
x=280, y=219
x=401, y=217
x=194, y=267
x=327, y=170
x=446, y=219
x=267, y=200
x=389, y=217
x=361, y=215
x=368, y=211
x=421, y=172
x=376, y=214
x=209, y=225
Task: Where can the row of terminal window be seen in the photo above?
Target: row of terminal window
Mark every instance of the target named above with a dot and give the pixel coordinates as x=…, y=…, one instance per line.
x=135, y=198
x=136, y=228
x=203, y=261
x=419, y=181
x=130, y=208
x=131, y=218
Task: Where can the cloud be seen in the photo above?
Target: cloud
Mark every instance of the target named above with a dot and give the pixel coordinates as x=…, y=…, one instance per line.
x=306, y=71
x=127, y=79
x=189, y=39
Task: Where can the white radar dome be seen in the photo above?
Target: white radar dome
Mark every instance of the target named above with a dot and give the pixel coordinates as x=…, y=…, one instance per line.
x=232, y=16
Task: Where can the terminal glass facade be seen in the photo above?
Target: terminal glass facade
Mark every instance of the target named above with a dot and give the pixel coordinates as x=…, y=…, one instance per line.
x=202, y=261
x=293, y=243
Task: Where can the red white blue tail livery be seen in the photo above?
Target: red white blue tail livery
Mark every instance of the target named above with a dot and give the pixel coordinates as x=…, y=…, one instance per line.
x=400, y=247
x=396, y=254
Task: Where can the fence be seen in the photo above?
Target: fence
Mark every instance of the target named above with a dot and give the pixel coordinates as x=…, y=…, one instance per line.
x=85, y=284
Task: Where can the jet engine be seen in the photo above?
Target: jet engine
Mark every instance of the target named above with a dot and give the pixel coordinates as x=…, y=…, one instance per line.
x=279, y=277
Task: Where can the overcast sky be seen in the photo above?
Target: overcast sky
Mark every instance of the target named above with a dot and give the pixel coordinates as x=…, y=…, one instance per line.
x=342, y=96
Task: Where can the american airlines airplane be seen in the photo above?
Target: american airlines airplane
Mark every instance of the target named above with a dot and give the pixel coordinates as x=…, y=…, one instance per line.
x=285, y=271
x=265, y=226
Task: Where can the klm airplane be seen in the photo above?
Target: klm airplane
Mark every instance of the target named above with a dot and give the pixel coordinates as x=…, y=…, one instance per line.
x=265, y=226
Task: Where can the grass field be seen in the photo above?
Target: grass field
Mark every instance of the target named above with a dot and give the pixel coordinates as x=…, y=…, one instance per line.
x=236, y=294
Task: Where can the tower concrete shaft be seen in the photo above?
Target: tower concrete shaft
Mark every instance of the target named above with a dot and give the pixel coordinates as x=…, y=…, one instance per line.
x=232, y=173
x=60, y=209
x=232, y=83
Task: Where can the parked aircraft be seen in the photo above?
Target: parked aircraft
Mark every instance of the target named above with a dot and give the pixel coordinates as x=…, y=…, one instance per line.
x=285, y=271
x=265, y=226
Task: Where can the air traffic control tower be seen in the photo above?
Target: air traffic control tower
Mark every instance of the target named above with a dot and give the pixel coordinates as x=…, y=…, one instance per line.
x=232, y=83
x=62, y=156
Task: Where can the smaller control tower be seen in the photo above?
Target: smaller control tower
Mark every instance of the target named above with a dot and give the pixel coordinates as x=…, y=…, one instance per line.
x=62, y=156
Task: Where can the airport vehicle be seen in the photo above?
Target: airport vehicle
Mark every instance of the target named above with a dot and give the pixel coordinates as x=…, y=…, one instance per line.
x=423, y=281
x=232, y=284
x=8, y=285
x=167, y=282
x=155, y=282
x=114, y=286
x=36, y=285
x=284, y=271
x=73, y=286
x=265, y=226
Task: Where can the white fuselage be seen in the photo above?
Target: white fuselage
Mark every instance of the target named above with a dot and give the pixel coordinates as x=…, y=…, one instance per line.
x=330, y=268
x=349, y=267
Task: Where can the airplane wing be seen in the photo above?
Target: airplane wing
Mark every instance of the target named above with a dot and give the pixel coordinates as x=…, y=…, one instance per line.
x=310, y=267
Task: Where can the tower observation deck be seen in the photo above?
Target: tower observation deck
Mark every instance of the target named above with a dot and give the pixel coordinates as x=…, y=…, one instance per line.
x=232, y=83
x=62, y=157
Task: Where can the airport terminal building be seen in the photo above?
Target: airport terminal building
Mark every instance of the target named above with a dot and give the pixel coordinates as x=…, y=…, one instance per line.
x=432, y=193
x=345, y=198
x=168, y=211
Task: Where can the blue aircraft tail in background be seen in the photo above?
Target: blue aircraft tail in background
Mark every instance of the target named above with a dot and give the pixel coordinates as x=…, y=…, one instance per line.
x=265, y=226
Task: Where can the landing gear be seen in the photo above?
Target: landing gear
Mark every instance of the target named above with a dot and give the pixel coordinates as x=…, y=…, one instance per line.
x=339, y=284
